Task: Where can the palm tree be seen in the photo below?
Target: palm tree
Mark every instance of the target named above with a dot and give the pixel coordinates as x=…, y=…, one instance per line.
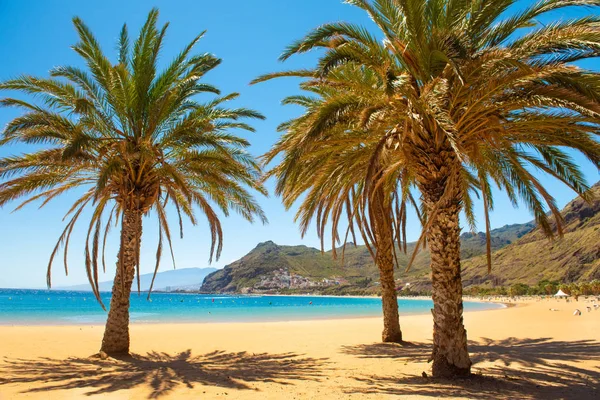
x=467, y=98
x=337, y=168
x=134, y=140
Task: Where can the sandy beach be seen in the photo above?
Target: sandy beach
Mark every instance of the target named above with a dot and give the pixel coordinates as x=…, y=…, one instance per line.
x=524, y=352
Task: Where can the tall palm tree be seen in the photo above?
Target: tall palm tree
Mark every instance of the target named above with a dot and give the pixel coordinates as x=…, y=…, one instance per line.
x=467, y=98
x=337, y=167
x=134, y=140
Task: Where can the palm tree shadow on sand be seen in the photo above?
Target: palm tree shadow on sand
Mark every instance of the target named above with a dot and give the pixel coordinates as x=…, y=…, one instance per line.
x=161, y=372
x=511, y=368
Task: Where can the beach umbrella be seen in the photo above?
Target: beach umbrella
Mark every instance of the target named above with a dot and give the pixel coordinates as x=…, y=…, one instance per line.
x=560, y=293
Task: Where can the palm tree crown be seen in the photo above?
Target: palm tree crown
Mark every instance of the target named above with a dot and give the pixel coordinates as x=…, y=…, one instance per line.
x=135, y=138
x=337, y=164
x=452, y=77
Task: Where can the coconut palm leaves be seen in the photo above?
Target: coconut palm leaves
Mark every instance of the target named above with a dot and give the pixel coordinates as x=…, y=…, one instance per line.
x=460, y=98
x=127, y=136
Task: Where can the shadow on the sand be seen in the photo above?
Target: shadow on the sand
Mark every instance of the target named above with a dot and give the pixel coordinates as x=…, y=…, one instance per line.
x=161, y=372
x=510, y=368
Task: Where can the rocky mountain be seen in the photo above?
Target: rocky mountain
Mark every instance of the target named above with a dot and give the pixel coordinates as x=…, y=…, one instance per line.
x=271, y=267
x=177, y=279
x=521, y=254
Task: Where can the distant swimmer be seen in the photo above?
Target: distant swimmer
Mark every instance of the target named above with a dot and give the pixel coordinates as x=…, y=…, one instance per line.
x=310, y=302
x=213, y=300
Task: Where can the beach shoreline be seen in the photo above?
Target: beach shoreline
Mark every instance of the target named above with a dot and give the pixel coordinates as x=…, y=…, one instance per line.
x=525, y=352
x=206, y=314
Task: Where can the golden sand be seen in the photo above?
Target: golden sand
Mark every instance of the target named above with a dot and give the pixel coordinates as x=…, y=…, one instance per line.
x=519, y=352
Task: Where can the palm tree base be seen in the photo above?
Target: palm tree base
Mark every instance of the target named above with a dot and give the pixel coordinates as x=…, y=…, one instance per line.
x=114, y=348
x=391, y=337
x=114, y=353
x=443, y=369
x=104, y=355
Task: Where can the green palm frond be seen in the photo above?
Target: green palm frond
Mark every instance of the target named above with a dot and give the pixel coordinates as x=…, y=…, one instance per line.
x=453, y=80
x=135, y=138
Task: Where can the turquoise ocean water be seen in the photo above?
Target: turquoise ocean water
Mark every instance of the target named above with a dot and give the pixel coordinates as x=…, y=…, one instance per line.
x=31, y=307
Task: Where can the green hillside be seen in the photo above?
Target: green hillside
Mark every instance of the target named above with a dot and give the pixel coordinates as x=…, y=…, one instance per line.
x=574, y=258
x=270, y=267
x=521, y=255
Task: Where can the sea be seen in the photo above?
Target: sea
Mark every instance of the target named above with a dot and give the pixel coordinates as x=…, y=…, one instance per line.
x=54, y=307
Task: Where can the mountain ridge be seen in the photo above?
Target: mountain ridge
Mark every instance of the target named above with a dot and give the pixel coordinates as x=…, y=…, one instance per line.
x=573, y=258
x=275, y=268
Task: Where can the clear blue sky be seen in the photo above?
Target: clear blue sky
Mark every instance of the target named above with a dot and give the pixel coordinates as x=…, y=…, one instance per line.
x=36, y=36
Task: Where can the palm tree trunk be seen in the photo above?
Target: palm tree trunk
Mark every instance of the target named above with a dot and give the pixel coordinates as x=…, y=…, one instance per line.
x=116, y=333
x=385, y=262
x=450, y=355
